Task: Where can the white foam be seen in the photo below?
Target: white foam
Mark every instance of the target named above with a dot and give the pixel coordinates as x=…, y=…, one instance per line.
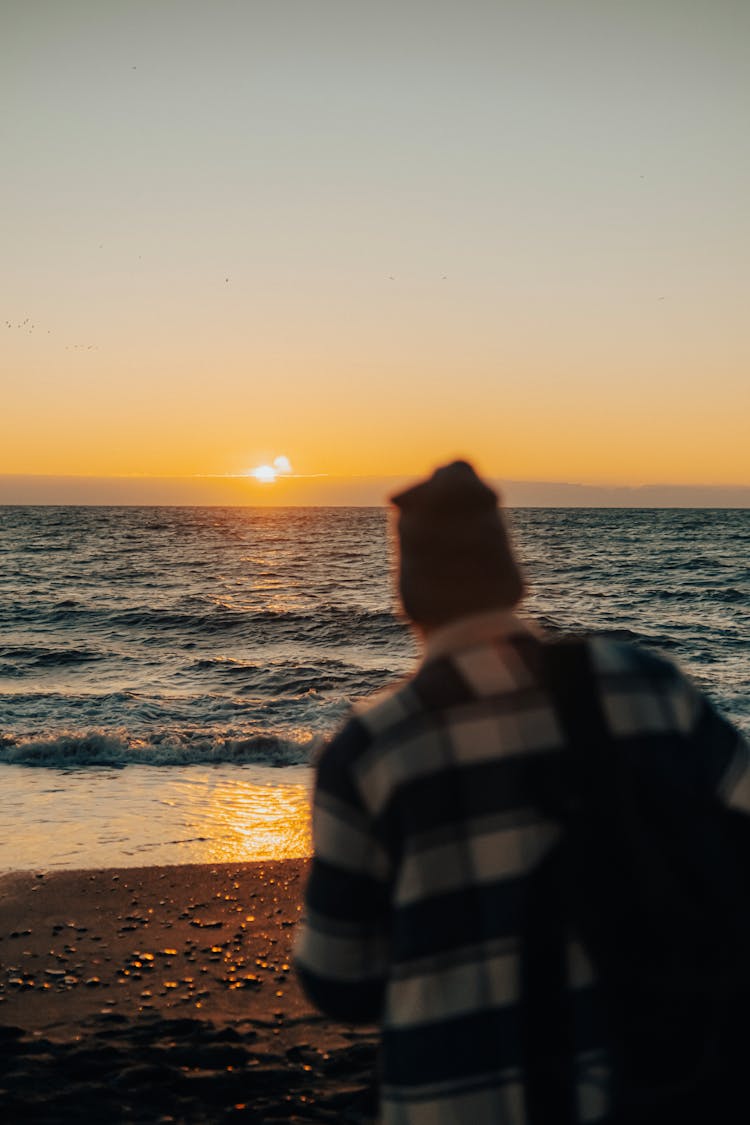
x=118, y=749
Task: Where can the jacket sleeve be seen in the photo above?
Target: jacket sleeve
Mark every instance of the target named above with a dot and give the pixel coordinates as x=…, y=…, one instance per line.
x=729, y=757
x=720, y=749
x=341, y=949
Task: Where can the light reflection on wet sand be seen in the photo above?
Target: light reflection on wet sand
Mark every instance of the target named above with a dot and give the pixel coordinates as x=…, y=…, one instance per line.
x=54, y=819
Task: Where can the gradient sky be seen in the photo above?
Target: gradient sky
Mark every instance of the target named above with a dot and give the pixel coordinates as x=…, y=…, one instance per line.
x=371, y=236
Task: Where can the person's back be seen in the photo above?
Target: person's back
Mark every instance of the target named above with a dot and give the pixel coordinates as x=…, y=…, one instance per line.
x=428, y=828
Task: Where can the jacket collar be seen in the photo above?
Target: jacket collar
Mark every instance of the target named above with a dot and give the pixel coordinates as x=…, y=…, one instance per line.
x=476, y=629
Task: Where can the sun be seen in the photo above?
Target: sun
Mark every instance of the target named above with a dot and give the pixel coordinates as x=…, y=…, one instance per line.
x=264, y=473
x=267, y=474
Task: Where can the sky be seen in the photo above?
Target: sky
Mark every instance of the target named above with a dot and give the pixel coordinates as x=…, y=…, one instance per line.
x=373, y=237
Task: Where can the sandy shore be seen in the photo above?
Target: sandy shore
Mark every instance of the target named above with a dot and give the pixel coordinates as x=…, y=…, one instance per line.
x=167, y=995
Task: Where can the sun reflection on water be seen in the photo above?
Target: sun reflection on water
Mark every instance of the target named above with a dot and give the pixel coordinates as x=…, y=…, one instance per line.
x=261, y=822
x=153, y=816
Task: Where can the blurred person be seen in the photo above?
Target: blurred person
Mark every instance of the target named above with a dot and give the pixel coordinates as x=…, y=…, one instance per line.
x=528, y=859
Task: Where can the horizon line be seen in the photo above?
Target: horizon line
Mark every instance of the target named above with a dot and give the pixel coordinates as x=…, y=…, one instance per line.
x=335, y=477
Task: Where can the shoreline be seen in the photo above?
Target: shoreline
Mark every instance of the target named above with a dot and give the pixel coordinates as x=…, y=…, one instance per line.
x=167, y=994
x=144, y=815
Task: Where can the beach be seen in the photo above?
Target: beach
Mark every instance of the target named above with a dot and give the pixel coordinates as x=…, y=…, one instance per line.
x=167, y=994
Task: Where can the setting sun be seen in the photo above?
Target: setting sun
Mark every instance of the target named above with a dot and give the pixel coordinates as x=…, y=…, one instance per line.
x=267, y=474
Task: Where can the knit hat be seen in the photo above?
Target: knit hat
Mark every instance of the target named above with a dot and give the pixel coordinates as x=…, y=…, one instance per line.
x=456, y=557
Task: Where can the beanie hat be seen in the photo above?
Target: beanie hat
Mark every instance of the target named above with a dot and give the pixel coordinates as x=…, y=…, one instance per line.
x=456, y=557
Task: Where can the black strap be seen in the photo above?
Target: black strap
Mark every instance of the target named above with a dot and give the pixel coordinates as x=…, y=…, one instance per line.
x=564, y=670
x=549, y=1079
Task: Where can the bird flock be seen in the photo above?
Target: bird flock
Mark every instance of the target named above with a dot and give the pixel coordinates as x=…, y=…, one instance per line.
x=29, y=327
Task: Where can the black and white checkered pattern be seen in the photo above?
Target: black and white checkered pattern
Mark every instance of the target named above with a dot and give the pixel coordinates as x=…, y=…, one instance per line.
x=425, y=829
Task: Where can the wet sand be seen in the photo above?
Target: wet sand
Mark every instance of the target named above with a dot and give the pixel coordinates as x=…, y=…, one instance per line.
x=167, y=995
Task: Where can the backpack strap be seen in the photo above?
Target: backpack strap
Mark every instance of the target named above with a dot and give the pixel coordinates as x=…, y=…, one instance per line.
x=545, y=1010
x=564, y=671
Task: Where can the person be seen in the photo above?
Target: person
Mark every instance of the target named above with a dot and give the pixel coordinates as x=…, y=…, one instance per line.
x=428, y=830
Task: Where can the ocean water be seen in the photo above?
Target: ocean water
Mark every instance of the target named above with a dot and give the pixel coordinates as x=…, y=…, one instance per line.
x=157, y=659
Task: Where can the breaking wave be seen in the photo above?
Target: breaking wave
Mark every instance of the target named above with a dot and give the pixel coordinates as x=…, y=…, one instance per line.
x=170, y=748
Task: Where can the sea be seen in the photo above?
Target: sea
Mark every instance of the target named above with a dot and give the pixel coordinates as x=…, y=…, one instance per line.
x=166, y=674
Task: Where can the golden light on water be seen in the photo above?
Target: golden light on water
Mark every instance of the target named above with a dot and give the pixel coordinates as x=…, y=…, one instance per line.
x=250, y=821
x=187, y=814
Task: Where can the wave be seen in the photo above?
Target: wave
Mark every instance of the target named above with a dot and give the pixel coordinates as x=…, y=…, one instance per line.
x=171, y=748
x=334, y=622
x=730, y=594
x=330, y=623
x=725, y=595
x=556, y=628
x=43, y=657
x=12, y=671
x=293, y=677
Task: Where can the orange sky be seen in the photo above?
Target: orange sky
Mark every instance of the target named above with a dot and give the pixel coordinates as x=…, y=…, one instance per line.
x=520, y=238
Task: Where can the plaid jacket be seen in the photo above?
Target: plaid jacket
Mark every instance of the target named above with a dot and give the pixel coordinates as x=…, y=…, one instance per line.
x=424, y=832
